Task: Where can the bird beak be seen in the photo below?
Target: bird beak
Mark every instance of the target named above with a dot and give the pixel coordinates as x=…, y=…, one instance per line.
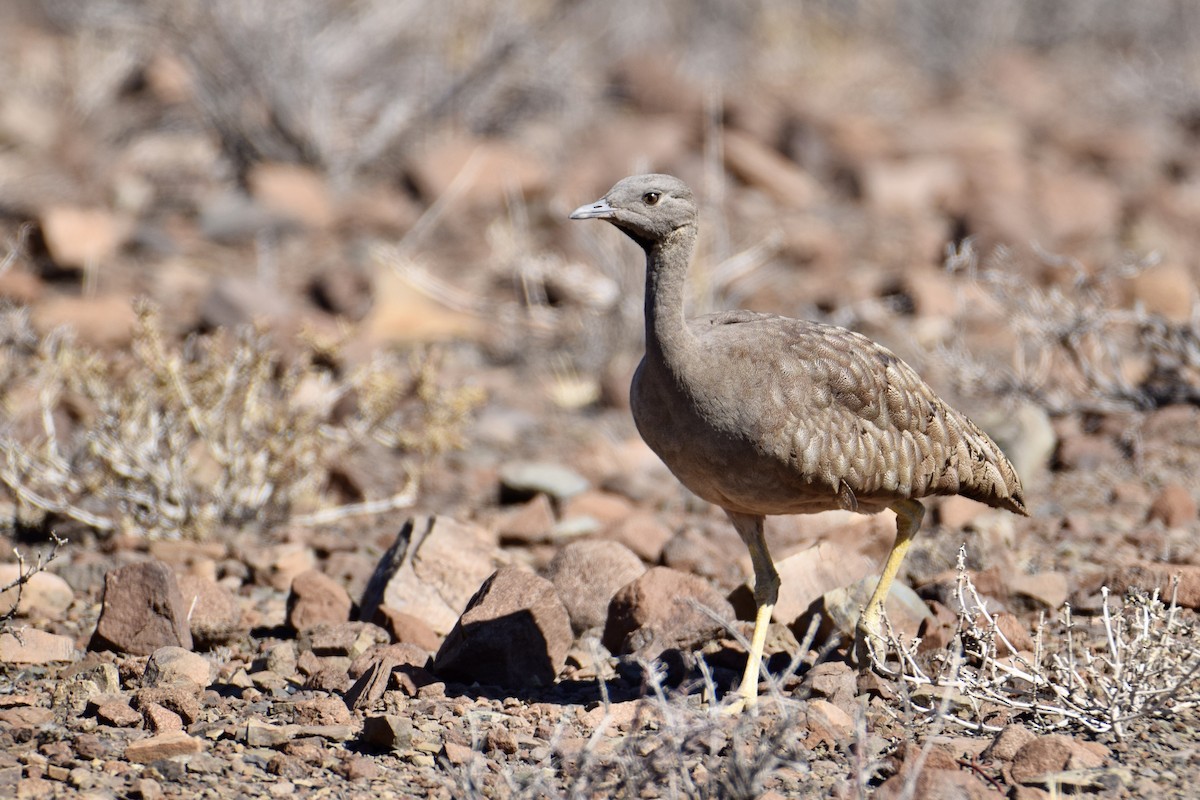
x=597, y=210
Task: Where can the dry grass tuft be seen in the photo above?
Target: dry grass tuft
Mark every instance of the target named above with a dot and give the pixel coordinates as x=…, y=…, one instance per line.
x=178, y=440
x=1139, y=660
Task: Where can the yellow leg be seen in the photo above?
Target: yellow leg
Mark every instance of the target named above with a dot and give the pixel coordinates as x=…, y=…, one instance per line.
x=766, y=592
x=868, y=639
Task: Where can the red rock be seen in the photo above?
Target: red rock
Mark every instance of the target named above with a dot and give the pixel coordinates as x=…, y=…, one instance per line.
x=458, y=754
x=514, y=632
x=1055, y=753
x=315, y=599
x=174, y=666
x=432, y=570
x=958, y=512
x=239, y=300
x=1077, y=206
x=407, y=629
x=655, y=612
x=160, y=719
x=105, y=321
x=769, y=170
x=82, y=238
x=1166, y=289
x=1010, y=629
x=914, y=187
x=604, y=507
x=1051, y=589
x=44, y=594
x=1150, y=576
x=809, y=574
x=828, y=724
x=1008, y=741
x=484, y=172
x=528, y=522
x=141, y=610
x=166, y=745
x=184, y=700
x=32, y=646
x=834, y=681
x=292, y=192
x=643, y=533
x=118, y=714
x=587, y=574
x=1173, y=506
x=215, y=617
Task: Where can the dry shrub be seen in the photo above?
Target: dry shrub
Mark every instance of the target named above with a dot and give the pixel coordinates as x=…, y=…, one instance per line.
x=1137, y=661
x=221, y=430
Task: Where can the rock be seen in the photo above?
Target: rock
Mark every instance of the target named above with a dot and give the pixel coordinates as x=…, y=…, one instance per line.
x=1041, y=755
x=431, y=571
x=839, y=610
x=216, y=615
x=321, y=711
x=603, y=508
x=1008, y=741
x=957, y=512
x=643, y=533
x=44, y=595
x=233, y=301
x=1087, y=452
x=407, y=629
x=587, y=574
x=514, y=632
x=914, y=187
x=1149, y=576
x=32, y=646
x=292, y=192
x=404, y=313
x=388, y=732
x=160, y=719
x=1173, y=506
x=174, y=666
x=808, y=575
x=141, y=611
x=828, y=724
x=457, y=754
x=315, y=599
x=769, y=170
x=183, y=699
x=526, y=523
x=1077, y=206
x=341, y=639
x=278, y=565
x=834, y=681
x=1050, y=589
x=344, y=291
x=1010, y=631
x=521, y=480
x=484, y=173
x=656, y=612
x=105, y=321
x=1166, y=289
x=118, y=714
x=165, y=745
x=82, y=238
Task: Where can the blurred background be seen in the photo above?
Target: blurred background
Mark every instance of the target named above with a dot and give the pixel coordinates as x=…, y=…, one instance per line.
x=1007, y=193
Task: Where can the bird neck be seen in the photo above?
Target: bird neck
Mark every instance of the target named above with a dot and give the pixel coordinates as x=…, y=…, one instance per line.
x=667, y=333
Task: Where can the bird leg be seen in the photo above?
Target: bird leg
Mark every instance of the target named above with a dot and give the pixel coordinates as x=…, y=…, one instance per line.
x=869, y=645
x=766, y=592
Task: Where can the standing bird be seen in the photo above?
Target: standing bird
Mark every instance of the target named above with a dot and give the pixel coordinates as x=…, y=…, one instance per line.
x=762, y=414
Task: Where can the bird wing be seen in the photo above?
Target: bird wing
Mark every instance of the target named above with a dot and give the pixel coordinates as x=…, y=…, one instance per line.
x=844, y=411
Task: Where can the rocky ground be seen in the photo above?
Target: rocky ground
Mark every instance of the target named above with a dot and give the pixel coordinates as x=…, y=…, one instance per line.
x=325, y=400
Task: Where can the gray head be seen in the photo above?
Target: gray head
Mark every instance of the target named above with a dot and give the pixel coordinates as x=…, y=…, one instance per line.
x=646, y=207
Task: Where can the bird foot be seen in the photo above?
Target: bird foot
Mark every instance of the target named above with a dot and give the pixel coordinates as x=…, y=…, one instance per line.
x=870, y=650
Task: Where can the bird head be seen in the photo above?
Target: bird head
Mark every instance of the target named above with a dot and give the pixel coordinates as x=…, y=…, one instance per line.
x=647, y=208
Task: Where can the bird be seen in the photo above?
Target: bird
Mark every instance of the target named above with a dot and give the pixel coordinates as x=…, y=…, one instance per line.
x=763, y=414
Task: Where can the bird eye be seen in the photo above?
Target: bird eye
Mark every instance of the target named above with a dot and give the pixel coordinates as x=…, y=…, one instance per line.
x=650, y=198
